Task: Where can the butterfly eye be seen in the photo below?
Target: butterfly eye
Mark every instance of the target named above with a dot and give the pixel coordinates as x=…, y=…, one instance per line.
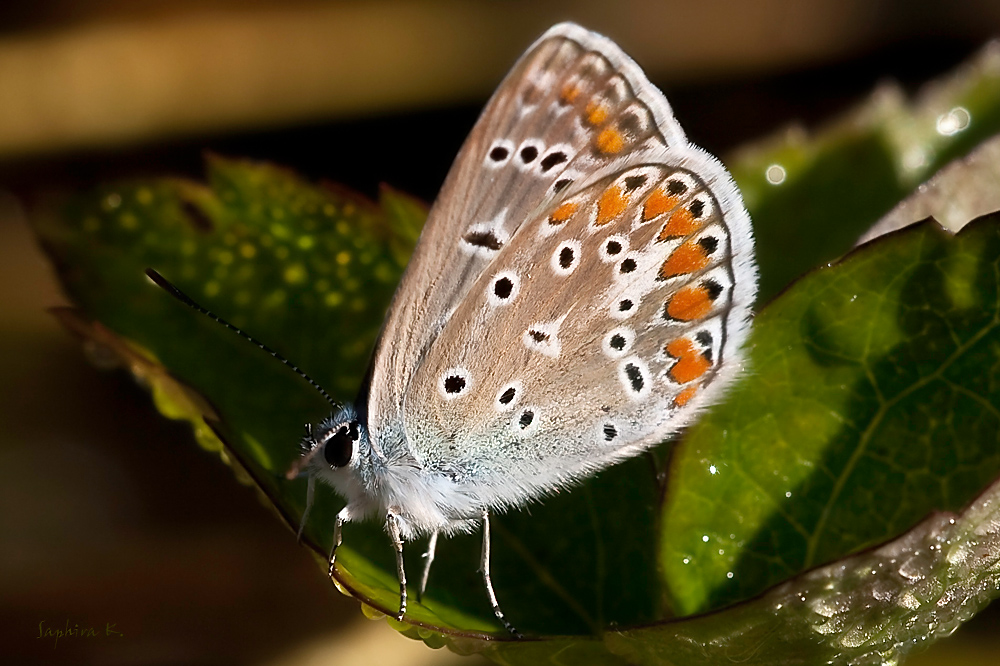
x=339, y=447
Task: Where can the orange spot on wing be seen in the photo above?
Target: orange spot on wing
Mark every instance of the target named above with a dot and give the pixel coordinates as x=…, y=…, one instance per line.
x=562, y=213
x=690, y=303
x=611, y=204
x=691, y=363
x=680, y=224
x=597, y=113
x=569, y=93
x=610, y=140
x=687, y=258
x=658, y=203
x=685, y=396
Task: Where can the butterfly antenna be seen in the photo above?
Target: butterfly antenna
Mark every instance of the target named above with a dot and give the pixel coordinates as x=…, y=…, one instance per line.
x=164, y=284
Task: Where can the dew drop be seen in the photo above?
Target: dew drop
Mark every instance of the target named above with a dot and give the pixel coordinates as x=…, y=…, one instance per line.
x=775, y=174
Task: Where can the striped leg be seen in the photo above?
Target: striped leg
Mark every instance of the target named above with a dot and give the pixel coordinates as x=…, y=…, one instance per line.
x=484, y=566
x=392, y=523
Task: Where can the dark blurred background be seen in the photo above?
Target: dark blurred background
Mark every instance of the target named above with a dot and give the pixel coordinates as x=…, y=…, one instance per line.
x=108, y=512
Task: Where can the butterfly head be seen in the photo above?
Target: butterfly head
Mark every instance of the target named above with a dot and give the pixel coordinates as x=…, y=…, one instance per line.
x=338, y=441
x=334, y=443
x=338, y=451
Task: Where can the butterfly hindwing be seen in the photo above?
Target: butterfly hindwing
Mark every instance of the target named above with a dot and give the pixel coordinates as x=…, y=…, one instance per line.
x=599, y=331
x=576, y=288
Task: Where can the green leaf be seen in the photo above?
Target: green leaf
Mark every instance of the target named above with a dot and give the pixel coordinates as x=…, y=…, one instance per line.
x=309, y=272
x=867, y=610
x=583, y=559
x=870, y=403
x=812, y=195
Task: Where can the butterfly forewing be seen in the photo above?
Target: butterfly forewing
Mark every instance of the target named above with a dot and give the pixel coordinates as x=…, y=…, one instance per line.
x=574, y=106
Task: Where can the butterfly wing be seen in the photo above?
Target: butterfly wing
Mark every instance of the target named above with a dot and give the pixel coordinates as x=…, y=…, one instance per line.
x=582, y=288
x=527, y=152
x=604, y=327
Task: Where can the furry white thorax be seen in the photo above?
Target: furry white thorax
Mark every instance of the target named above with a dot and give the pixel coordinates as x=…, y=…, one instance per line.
x=375, y=485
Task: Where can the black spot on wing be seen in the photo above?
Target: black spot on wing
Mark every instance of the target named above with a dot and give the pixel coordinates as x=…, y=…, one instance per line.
x=538, y=336
x=486, y=239
x=503, y=288
x=635, y=182
x=454, y=384
x=635, y=378
x=709, y=244
x=696, y=208
x=676, y=187
x=566, y=257
x=553, y=159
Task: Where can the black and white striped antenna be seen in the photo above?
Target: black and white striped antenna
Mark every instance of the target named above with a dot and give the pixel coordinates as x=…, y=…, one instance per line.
x=163, y=283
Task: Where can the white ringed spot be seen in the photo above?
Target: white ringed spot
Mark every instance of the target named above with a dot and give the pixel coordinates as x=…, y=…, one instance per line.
x=499, y=153
x=454, y=383
x=613, y=247
x=635, y=377
x=618, y=342
x=543, y=337
x=624, y=306
x=566, y=257
x=526, y=421
x=508, y=396
x=503, y=288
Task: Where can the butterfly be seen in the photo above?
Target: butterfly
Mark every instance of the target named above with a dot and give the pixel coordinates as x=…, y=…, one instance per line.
x=581, y=291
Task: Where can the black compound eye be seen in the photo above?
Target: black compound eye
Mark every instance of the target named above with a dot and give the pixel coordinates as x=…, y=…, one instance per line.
x=339, y=447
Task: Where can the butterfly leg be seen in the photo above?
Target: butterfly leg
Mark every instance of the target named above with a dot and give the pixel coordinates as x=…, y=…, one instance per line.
x=484, y=567
x=428, y=560
x=392, y=524
x=338, y=525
